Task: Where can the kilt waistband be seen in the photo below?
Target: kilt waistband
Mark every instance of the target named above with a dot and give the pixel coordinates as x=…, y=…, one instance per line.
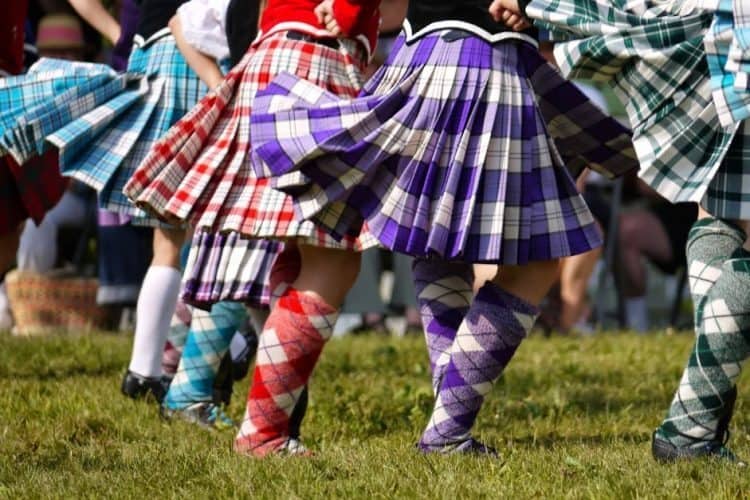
x=141, y=42
x=331, y=43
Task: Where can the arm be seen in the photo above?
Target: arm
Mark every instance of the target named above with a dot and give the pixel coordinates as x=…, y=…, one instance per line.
x=94, y=13
x=346, y=17
x=510, y=12
x=353, y=15
x=203, y=65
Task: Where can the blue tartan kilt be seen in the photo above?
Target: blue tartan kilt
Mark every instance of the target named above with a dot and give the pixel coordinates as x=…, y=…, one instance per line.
x=102, y=123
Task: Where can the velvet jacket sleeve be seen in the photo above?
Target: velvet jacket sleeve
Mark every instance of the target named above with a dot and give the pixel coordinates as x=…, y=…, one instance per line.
x=357, y=16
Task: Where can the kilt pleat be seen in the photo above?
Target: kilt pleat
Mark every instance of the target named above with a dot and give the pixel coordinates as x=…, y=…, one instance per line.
x=227, y=267
x=101, y=123
x=446, y=153
x=669, y=65
x=200, y=171
x=53, y=92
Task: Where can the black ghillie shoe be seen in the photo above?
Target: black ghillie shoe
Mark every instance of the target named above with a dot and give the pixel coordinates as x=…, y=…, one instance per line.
x=469, y=447
x=666, y=452
x=136, y=386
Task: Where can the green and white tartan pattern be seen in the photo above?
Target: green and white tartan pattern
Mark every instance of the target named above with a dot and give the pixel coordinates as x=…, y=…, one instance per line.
x=722, y=347
x=653, y=56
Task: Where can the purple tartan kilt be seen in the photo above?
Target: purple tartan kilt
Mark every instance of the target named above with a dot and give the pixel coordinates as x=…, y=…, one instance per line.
x=223, y=266
x=445, y=153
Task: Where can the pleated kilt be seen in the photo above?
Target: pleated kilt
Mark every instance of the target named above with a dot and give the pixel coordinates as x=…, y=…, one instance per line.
x=200, y=173
x=446, y=153
x=653, y=55
x=28, y=189
x=227, y=267
x=102, y=123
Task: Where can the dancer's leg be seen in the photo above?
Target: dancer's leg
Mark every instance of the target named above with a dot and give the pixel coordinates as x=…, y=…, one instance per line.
x=300, y=324
x=499, y=318
x=444, y=293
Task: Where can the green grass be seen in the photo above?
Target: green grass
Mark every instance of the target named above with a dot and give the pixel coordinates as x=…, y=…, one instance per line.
x=571, y=416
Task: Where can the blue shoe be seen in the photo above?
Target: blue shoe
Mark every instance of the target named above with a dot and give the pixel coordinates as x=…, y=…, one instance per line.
x=204, y=414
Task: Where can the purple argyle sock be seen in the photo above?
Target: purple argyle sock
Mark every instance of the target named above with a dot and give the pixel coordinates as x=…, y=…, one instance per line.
x=488, y=337
x=444, y=292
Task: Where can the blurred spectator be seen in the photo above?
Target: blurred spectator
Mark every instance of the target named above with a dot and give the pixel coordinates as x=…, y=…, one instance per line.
x=658, y=233
x=365, y=298
x=60, y=36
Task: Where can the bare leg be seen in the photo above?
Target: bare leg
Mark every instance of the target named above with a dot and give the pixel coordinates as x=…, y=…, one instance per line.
x=575, y=272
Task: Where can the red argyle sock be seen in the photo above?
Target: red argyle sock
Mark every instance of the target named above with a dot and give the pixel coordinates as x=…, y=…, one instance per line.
x=293, y=337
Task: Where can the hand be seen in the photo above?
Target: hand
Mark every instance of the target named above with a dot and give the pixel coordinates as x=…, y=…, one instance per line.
x=509, y=13
x=324, y=13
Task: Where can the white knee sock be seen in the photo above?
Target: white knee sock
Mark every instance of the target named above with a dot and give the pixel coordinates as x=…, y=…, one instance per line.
x=156, y=305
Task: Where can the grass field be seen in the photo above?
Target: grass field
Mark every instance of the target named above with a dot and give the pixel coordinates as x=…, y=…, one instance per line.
x=571, y=416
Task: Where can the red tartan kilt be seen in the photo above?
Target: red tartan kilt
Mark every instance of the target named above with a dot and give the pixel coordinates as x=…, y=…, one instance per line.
x=28, y=191
x=199, y=171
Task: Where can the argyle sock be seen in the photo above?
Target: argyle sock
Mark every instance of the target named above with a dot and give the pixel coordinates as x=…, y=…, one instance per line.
x=176, y=337
x=207, y=343
x=444, y=292
x=293, y=338
x=705, y=396
x=489, y=335
x=284, y=271
x=710, y=242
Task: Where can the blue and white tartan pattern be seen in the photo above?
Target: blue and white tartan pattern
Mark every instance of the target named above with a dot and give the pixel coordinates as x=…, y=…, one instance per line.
x=654, y=58
x=727, y=46
x=49, y=94
x=206, y=344
x=112, y=157
x=102, y=123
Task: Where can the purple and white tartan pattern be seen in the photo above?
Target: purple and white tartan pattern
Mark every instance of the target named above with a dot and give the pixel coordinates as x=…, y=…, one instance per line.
x=446, y=154
x=488, y=337
x=227, y=267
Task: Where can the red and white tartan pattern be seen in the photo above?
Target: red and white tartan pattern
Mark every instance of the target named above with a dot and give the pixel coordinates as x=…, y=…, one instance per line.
x=288, y=349
x=199, y=171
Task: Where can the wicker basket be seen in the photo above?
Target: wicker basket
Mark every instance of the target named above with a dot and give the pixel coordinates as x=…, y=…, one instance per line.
x=54, y=301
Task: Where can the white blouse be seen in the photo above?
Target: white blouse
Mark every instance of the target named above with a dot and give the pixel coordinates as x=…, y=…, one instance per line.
x=204, y=26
